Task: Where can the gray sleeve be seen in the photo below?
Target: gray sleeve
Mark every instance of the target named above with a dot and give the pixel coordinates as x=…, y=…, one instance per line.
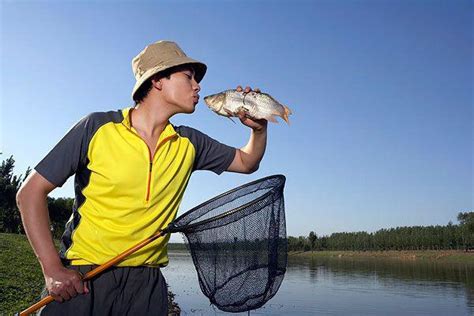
x=210, y=154
x=68, y=155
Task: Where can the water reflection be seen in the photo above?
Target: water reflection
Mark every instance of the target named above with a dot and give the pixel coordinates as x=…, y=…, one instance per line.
x=388, y=269
x=347, y=286
x=415, y=279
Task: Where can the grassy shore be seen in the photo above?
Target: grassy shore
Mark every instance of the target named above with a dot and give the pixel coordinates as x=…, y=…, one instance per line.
x=447, y=256
x=21, y=280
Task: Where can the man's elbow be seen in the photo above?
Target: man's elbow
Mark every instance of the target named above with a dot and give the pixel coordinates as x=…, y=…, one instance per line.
x=252, y=169
x=20, y=197
x=24, y=197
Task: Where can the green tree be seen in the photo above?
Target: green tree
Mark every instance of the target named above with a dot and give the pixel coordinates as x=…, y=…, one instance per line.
x=10, y=219
x=312, y=239
x=466, y=221
x=60, y=210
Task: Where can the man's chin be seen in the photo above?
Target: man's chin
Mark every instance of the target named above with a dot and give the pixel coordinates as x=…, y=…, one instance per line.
x=190, y=110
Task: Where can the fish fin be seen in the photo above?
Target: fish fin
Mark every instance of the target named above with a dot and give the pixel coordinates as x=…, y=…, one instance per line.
x=272, y=118
x=229, y=113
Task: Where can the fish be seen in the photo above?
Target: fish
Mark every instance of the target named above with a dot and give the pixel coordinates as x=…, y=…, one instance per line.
x=256, y=105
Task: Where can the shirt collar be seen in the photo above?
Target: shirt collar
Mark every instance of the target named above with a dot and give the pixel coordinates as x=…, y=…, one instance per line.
x=167, y=132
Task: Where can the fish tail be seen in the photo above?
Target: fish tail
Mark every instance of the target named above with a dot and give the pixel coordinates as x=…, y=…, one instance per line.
x=286, y=114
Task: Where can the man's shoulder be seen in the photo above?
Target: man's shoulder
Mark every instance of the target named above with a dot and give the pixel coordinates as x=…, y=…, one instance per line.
x=92, y=122
x=195, y=137
x=100, y=118
x=187, y=131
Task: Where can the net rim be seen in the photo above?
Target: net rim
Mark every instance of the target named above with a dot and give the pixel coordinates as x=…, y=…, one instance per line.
x=173, y=228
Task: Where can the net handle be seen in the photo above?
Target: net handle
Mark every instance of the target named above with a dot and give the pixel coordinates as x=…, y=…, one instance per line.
x=89, y=275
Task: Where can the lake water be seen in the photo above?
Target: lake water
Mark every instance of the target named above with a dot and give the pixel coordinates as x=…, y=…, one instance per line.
x=343, y=286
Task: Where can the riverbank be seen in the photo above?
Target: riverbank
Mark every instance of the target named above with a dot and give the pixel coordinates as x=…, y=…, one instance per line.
x=446, y=256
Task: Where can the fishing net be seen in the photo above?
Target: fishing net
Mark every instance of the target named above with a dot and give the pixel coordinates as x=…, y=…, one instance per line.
x=238, y=244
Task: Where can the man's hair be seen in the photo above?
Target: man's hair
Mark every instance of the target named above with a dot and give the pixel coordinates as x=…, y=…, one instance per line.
x=145, y=88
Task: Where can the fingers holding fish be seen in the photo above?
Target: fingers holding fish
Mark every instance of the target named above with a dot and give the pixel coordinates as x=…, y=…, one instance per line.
x=247, y=89
x=257, y=125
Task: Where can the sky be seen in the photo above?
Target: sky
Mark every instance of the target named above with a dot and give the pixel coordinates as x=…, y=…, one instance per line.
x=381, y=92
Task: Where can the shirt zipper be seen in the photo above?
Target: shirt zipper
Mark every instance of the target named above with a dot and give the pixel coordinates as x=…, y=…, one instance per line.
x=150, y=169
x=149, y=175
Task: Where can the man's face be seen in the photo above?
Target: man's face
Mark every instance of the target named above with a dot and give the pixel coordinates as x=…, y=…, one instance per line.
x=181, y=90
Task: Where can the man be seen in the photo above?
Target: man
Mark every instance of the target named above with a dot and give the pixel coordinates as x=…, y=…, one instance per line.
x=131, y=169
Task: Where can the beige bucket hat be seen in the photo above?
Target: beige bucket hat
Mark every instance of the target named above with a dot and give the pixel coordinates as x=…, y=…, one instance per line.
x=160, y=56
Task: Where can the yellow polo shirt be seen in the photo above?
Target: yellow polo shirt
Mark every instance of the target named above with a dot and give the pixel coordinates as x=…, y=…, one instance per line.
x=123, y=194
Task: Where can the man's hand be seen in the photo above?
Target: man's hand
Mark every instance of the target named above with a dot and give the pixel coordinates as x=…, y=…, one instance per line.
x=247, y=159
x=63, y=284
x=254, y=124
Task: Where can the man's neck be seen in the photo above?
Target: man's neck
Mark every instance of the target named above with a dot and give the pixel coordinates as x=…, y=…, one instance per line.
x=149, y=119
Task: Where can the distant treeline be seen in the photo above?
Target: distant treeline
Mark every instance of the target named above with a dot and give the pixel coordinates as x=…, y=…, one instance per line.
x=451, y=236
x=401, y=238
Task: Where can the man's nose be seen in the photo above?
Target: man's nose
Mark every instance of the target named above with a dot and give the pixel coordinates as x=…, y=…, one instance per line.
x=197, y=87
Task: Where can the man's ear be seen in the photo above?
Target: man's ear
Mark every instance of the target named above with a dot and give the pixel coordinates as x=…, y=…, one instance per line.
x=157, y=83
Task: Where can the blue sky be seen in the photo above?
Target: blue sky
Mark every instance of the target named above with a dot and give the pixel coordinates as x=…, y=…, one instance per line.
x=382, y=95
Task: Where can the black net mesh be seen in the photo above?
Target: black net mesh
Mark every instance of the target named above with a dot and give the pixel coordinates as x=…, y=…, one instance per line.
x=238, y=244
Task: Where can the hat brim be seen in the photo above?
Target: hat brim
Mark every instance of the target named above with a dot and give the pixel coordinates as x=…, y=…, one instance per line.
x=199, y=69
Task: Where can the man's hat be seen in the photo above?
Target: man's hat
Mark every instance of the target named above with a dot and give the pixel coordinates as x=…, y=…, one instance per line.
x=160, y=56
